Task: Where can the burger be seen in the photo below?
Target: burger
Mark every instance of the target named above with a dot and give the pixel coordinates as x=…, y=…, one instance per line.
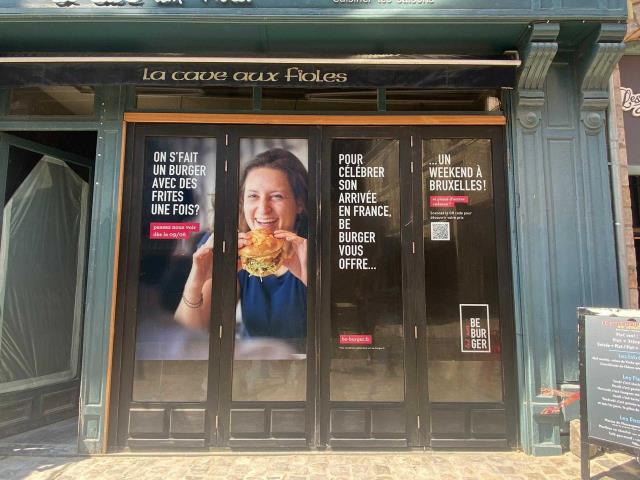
x=265, y=254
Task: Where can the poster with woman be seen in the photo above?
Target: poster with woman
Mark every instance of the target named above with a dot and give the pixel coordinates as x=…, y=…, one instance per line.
x=273, y=230
x=178, y=199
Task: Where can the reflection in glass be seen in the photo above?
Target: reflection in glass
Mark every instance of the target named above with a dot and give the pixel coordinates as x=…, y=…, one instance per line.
x=193, y=99
x=52, y=100
x=367, y=361
x=172, y=340
x=458, y=205
x=271, y=321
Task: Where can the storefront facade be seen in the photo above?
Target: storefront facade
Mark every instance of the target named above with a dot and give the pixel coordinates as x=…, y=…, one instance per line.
x=437, y=175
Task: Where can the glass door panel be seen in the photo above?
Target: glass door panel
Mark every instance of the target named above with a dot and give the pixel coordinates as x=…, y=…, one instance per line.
x=367, y=363
x=269, y=323
x=270, y=350
x=365, y=343
x=463, y=297
x=166, y=287
x=172, y=338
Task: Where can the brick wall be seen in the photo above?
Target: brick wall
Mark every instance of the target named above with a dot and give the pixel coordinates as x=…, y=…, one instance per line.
x=626, y=197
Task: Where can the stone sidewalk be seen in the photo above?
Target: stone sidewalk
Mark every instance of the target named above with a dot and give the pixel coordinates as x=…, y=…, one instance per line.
x=316, y=466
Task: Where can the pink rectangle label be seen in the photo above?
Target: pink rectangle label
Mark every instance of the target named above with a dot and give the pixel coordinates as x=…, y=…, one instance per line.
x=436, y=201
x=356, y=340
x=172, y=231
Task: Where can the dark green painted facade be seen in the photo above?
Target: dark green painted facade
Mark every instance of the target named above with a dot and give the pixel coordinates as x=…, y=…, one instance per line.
x=561, y=223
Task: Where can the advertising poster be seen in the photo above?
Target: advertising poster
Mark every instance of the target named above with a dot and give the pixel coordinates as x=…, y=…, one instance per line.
x=455, y=183
x=172, y=339
x=272, y=273
x=366, y=278
x=273, y=228
x=461, y=278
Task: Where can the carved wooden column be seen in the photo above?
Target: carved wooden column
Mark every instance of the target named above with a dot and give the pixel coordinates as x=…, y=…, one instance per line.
x=534, y=318
x=110, y=106
x=598, y=57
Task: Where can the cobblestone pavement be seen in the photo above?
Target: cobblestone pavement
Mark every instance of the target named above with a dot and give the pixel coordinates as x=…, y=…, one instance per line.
x=316, y=466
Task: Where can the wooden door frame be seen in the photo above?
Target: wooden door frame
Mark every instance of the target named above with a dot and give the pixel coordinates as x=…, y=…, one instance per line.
x=239, y=132
x=503, y=269
x=328, y=120
x=133, y=119
x=410, y=402
x=126, y=275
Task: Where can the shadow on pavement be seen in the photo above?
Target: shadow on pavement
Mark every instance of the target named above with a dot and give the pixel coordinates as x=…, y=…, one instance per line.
x=626, y=471
x=34, y=468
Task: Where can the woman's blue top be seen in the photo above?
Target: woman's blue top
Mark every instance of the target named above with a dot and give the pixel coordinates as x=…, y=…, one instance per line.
x=273, y=306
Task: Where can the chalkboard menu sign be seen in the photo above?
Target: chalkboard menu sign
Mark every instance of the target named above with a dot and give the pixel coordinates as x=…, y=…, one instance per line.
x=609, y=380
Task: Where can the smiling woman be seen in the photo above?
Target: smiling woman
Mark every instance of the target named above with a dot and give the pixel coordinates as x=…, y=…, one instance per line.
x=271, y=334
x=273, y=209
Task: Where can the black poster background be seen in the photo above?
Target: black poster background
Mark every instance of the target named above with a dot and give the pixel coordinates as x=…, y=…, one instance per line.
x=367, y=361
x=460, y=268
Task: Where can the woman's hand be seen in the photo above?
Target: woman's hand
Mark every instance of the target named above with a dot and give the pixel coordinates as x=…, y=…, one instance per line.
x=202, y=264
x=244, y=240
x=295, y=253
x=195, y=306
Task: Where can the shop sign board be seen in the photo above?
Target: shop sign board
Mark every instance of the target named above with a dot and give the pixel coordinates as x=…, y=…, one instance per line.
x=519, y=7
x=302, y=75
x=630, y=104
x=609, y=341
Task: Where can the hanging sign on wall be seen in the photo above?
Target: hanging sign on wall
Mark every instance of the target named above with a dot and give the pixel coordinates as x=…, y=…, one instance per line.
x=630, y=103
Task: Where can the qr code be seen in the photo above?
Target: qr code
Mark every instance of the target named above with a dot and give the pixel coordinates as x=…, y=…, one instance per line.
x=440, y=231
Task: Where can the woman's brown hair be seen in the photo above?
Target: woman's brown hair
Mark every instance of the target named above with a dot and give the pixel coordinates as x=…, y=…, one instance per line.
x=286, y=162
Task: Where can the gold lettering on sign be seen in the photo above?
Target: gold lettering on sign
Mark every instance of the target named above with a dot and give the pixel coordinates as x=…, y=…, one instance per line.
x=154, y=75
x=291, y=75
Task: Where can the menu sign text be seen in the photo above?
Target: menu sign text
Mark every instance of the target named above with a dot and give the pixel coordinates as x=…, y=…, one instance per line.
x=612, y=366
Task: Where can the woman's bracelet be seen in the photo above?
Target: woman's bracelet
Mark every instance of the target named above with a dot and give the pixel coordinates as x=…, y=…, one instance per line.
x=191, y=304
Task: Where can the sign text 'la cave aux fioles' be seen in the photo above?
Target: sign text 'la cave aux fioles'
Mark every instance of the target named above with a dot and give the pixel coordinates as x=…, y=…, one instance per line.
x=288, y=75
x=257, y=75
